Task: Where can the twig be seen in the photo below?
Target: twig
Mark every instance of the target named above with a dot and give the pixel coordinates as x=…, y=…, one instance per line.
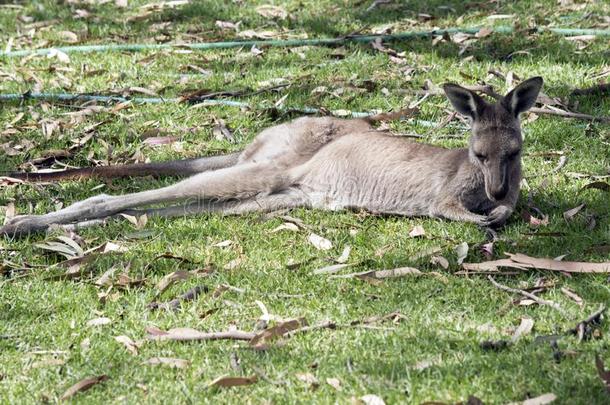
x=582, y=329
x=176, y=302
x=569, y=114
x=327, y=324
x=531, y=296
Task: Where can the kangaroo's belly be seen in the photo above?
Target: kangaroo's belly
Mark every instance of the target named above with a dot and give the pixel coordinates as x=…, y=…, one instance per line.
x=377, y=176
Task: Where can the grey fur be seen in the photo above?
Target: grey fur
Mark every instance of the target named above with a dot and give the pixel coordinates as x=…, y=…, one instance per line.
x=332, y=164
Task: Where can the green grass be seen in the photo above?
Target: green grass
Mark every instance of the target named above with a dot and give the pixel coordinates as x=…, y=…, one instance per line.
x=446, y=316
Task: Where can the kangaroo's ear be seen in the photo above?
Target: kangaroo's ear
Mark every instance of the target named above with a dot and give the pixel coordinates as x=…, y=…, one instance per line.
x=523, y=97
x=464, y=101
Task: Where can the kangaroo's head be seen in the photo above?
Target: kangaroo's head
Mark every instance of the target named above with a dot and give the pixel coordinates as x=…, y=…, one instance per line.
x=495, y=144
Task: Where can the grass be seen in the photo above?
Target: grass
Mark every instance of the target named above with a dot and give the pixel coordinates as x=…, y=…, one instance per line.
x=447, y=316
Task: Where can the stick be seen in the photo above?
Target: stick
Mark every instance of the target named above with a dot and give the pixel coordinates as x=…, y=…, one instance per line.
x=531, y=296
x=328, y=324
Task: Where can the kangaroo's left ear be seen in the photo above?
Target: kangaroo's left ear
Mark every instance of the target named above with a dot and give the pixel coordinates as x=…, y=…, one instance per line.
x=523, y=97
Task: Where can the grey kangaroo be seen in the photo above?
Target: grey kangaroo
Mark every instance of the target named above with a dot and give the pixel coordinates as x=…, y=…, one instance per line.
x=333, y=164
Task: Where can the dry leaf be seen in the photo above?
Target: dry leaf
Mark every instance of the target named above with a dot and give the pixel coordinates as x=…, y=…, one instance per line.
x=308, y=378
x=170, y=279
x=168, y=361
x=524, y=328
x=129, y=344
x=99, y=321
x=541, y=400
x=270, y=11
x=522, y=262
x=83, y=385
x=600, y=185
x=462, y=252
x=286, y=226
x=334, y=382
x=319, y=242
x=48, y=363
x=441, y=261
x=417, y=230
x=330, y=269
x=344, y=255
x=569, y=214
x=262, y=339
x=484, y=32
x=225, y=382
x=371, y=399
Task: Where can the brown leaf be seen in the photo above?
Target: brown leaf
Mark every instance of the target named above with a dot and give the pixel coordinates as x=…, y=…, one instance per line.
x=540, y=400
x=309, y=379
x=83, y=385
x=270, y=11
x=159, y=140
x=522, y=262
x=99, y=321
x=371, y=399
x=129, y=344
x=335, y=383
x=225, y=382
x=168, y=361
x=169, y=279
x=569, y=214
x=484, y=32
x=533, y=221
x=524, y=328
x=262, y=339
x=602, y=372
x=319, y=242
x=417, y=230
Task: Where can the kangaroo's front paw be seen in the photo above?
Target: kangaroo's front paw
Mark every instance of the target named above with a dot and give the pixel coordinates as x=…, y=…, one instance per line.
x=23, y=225
x=498, y=216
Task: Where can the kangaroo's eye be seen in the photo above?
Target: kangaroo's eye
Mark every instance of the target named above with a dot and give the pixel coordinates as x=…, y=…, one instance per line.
x=481, y=157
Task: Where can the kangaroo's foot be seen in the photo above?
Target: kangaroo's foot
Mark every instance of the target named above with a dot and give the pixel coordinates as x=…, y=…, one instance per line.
x=498, y=216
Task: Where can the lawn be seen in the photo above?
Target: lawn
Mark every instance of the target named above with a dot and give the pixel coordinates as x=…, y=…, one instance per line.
x=58, y=326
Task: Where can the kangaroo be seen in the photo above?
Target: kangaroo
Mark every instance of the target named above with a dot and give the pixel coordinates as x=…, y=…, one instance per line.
x=330, y=163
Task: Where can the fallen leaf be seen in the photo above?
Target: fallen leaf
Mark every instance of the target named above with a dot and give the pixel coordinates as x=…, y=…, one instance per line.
x=168, y=361
x=602, y=372
x=344, y=255
x=225, y=382
x=417, y=230
x=129, y=344
x=522, y=262
x=371, y=399
x=441, y=261
x=170, y=279
x=48, y=363
x=484, y=32
x=462, y=252
x=330, y=269
x=541, y=400
x=308, y=378
x=270, y=11
x=286, y=226
x=334, y=382
x=534, y=221
x=83, y=385
x=233, y=264
x=569, y=214
x=524, y=328
x=99, y=321
x=319, y=242
x=262, y=339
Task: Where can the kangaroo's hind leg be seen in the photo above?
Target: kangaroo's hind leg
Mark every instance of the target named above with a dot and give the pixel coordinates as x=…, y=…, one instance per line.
x=238, y=182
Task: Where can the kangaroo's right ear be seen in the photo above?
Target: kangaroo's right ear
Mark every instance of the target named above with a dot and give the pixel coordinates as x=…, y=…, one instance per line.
x=464, y=101
x=523, y=97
